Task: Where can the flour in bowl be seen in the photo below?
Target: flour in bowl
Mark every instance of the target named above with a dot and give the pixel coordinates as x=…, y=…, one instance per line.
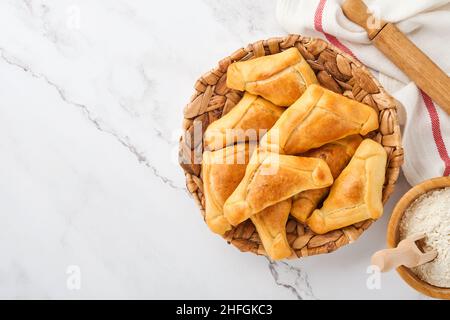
x=430, y=214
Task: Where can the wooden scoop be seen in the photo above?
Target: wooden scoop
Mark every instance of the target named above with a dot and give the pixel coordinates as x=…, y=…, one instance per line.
x=402, y=52
x=407, y=254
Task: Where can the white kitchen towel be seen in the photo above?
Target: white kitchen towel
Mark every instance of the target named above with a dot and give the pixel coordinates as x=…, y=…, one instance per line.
x=426, y=127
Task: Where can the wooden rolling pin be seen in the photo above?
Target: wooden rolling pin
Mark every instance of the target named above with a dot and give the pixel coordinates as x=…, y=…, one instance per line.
x=402, y=52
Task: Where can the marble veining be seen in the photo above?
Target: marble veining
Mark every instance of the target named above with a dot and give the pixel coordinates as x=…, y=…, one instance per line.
x=97, y=123
x=92, y=94
x=292, y=278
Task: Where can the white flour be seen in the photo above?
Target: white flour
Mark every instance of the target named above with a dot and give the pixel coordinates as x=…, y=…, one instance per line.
x=430, y=214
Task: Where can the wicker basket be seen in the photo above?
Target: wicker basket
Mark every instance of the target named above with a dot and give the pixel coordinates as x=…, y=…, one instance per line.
x=336, y=71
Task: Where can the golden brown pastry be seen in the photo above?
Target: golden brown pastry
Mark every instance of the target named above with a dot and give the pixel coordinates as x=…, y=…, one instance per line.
x=356, y=194
x=243, y=122
x=318, y=117
x=271, y=226
x=280, y=78
x=271, y=178
x=222, y=171
x=336, y=154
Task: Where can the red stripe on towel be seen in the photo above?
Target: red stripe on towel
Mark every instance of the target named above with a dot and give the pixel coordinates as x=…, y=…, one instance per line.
x=319, y=27
x=436, y=129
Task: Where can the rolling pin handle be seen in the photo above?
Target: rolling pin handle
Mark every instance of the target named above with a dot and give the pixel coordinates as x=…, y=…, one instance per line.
x=357, y=11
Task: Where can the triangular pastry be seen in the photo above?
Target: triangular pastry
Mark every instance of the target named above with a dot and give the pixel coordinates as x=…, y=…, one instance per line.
x=336, y=154
x=222, y=172
x=247, y=121
x=271, y=178
x=280, y=78
x=356, y=195
x=271, y=226
x=320, y=116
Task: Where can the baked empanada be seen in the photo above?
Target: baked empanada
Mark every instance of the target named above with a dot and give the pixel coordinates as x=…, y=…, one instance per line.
x=320, y=116
x=247, y=121
x=280, y=78
x=336, y=154
x=271, y=226
x=271, y=178
x=356, y=195
x=222, y=172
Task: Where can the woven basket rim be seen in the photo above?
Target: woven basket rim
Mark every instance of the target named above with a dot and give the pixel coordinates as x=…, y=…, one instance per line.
x=211, y=97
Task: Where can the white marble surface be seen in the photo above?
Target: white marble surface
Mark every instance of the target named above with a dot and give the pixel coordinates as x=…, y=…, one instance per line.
x=91, y=94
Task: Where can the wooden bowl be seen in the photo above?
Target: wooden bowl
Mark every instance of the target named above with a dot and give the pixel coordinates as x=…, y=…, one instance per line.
x=393, y=235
